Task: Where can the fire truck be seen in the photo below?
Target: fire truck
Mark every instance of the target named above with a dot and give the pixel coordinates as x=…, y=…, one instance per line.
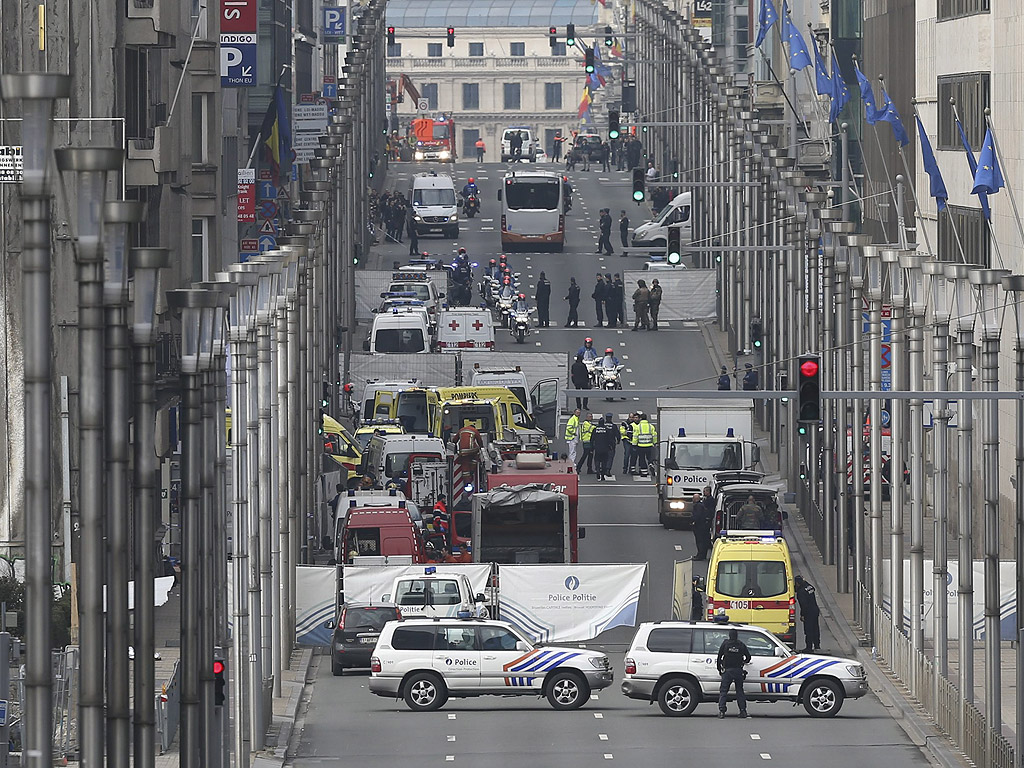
x=429, y=138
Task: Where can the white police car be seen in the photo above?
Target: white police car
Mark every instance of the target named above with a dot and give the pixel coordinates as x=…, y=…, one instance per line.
x=426, y=661
x=675, y=664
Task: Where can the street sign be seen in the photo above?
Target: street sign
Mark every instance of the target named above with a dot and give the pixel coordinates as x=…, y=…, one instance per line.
x=267, y=243
x=268, y=228
x=267, y=191
x=330, y=88
x=238, y=60
x=422, y=105
x=250, y=244
x=265, y=174
x=334, y=24
x=10, y=164
x=268, y=209
x=238, y=16
x=246, y=195
x=3, y=713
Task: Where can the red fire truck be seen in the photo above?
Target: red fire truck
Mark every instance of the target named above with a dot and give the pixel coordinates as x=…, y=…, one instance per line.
x=433, y=139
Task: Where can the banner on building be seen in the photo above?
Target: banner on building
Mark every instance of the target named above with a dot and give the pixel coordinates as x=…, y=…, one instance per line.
x=238, y=28
x=562, y=603
x=11, y=165
x=314, y=603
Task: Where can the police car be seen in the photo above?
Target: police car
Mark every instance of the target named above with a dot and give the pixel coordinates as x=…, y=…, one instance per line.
x=675, y=664
x=426, y=661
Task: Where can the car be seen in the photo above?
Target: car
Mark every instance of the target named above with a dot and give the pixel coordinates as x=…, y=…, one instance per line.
x=428, y=661
x=674, y=664
x=376, y=427
x=356, y=632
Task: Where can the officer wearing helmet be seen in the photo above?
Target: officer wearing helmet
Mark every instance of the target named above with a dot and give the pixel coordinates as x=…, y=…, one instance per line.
x=470, y=188
x=609, y=360
x=519, y=305
x=587, y=351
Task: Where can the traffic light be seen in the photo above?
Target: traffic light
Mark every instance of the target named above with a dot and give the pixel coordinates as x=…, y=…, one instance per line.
x=675, y=170
x=451, y=37
x=588, y=60
x=608, y=39
x=613, y=123
x=638, y=184
x=220, y=685
x=675, y=251
x=755, y=333
x=570, y=35
x=391, y=35
x=808, y=391
x=325, y=397
x=553, y=36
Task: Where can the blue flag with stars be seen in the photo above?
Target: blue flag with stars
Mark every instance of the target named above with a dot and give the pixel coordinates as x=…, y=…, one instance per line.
x=989, y=178
x=840, y=92
x=888, y=113
x=867, y=94
x=798, y=56
x=937, y=188
x=972, y=163
x=822, y=82
x=766, y=16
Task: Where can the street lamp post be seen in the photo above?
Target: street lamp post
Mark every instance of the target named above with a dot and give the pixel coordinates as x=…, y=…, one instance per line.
x=146, y=264
x=91, y=166
x=873, y=292
x=38, y=93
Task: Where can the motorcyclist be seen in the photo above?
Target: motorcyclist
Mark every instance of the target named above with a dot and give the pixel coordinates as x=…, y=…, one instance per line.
x=492, y=268
x=470, y=188
x=507, y=291
x=587, y=351
x=609, y=360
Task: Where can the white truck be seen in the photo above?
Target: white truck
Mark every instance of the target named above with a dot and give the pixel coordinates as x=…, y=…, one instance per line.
x=699, y=439
x=437, y=594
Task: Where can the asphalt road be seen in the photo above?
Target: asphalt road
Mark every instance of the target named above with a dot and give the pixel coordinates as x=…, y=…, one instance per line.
x=345, y=724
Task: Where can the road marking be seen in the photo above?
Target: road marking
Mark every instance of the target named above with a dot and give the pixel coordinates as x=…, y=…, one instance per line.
x=449, y=758
x=628, y=370
x=608, y=756
x=603, y=736
x=488, y=221
x=755, y=736
x=679, y=548
x=620, y=333
x=451, y=738
x=594, y=696
x=486, y=229
x=529, y=258
x=765, y=756
x=640, y=478
x=537, y=343
x=598, y=715
x=451, y=716
x=625, y=357
x=637, y=399
x=632, y=383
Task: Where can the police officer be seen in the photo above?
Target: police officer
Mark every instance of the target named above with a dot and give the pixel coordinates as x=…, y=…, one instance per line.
x=572, y=435
x=697, y=599
x=645, y=437
x=701, y=516
x=750, y=378
x=605, y=435
x=543, y=298
x=626, y=436
x=724, y=382
x=732, y=656
x=587, y=439
x=809, y=613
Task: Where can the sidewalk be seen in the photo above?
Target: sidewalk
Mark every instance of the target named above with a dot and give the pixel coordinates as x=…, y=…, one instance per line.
x=838, y=622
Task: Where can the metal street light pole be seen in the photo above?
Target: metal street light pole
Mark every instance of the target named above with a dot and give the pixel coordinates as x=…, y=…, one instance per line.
x=893, y=274
x=91, y=165
x=38, y=93
x=146, y=264
x=873, y=290
x=841, y=411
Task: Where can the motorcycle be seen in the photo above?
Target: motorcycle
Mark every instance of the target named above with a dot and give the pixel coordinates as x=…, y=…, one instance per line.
x=609, y=378
x=520, y=324
x=504, y=307
x=471, y=206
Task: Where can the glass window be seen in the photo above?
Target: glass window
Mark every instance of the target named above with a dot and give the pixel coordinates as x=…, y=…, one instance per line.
x=952, y=9
x=434, y=50
x=512, y=95
x=397, y=463
x=368, y=618
x=360, y=542
x=476, y=49
x=517, y=49
x=969, y=224
x=751, y=578
x=408, y=340
x=395, y=50
x=413, y=638
x=552, y=95
x=708, y=641
x=429, y=92
x=456, y=639
x=444, y=592
x=535, y=194
x=430, y=196
x=496, y=639
x=471, y=95
x=757, y=644
x=200, y=248
x=558, y=49
x=670, y=640
x=703, y=455
x=972, y=94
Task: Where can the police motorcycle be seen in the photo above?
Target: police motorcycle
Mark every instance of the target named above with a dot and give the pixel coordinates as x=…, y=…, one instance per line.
x=470, y=199
x=608, y=373
x=462, y=279
x=506, y=297
x=519, y=319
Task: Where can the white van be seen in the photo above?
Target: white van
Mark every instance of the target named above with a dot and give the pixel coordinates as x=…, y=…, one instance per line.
x=434, y=204
x=654, y=233
x=465, y=328
x=387, y=456
x=400, y=330
x=437, y=594
x=529, y=144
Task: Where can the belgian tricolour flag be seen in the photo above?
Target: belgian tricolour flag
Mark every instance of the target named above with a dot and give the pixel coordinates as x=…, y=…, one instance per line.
x=275, y=136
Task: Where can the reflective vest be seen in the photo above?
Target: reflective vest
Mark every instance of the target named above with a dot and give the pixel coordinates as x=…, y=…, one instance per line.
x=586, y=431
x=571, y=427
x=644, y=434
x=626, y=431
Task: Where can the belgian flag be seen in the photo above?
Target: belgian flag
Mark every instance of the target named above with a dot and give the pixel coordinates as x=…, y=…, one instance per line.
x=275, y=136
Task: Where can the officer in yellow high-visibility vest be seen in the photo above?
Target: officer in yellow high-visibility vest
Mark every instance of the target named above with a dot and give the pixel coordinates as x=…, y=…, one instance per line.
x=586, y=432
x=572, y=435
x=645, y=437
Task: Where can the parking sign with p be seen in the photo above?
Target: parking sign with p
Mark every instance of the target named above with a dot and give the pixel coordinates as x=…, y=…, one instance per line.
x=334, y=23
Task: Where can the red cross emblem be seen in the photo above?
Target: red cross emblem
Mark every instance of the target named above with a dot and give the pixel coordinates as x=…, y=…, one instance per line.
x=477, y=324
x=453, y=324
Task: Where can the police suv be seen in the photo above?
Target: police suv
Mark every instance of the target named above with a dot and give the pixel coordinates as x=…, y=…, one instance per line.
x=426, y=661
x=675, y=664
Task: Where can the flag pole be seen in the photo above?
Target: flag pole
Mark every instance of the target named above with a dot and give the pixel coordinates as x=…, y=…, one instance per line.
x=1009, y=188
x=885, y=165
x=988, y=219
x=952, y=221
x=918, y=213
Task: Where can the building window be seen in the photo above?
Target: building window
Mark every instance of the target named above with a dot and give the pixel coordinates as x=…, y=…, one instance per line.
x=974, y=236
x=552, y=95
x=558, y=49
x=512, y=100
x=971, y=94
x=394, y=51
x=429, y=92
x=469, y=138
x=476, y=49
x=471, y=96
x=954, y=9
x=517, y=49
x=200, y=128
x=434, y=50
x=200, y=248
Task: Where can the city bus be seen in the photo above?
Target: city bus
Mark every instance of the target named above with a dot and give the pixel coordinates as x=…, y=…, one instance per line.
x=531, y=210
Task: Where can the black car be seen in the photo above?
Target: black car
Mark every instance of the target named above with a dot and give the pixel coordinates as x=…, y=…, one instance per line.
x=355, y=634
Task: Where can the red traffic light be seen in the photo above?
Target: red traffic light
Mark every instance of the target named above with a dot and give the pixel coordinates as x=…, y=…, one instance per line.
x=552, y=30
x=451, y=30
x=218, y=667
x=391, y=30
x=809, y=368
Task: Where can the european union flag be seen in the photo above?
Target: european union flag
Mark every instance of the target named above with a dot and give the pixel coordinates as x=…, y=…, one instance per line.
x=798, y=56
x=937, y=188
x=889, y=114
x=973, y=165
x=766, y=16
x=840, y=92
x=989, y=178
x=867, y=94
x=823, y=83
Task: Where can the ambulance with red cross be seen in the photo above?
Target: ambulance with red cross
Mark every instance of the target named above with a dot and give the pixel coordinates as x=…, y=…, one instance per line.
x=460, y=328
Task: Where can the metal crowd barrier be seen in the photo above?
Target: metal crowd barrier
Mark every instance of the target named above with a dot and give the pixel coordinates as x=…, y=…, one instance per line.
x=168, y=709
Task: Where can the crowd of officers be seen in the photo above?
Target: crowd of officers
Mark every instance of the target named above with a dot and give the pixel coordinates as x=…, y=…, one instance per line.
x=594, y=444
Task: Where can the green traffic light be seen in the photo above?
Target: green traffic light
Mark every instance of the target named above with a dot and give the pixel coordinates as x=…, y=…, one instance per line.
x=757, y=344
x=638, y=195
x=613, y=134
x=802, y=429
x=590, y=69
x=673, y=258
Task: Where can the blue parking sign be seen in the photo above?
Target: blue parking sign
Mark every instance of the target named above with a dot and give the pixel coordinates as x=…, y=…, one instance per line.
x=237, y=60
x=334, y=23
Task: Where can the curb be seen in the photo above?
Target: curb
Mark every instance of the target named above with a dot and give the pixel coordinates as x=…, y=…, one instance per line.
x=281, y=752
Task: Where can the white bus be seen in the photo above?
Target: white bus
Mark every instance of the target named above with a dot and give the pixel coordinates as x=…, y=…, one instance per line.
x=531, y=210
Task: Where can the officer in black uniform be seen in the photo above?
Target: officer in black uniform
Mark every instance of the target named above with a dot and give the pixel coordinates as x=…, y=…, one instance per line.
x=809, y=613
x=733, y=654
x=724, y=382
x=750, y=378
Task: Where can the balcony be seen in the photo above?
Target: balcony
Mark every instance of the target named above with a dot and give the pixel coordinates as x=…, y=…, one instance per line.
x=151, y=160
x=152, y=23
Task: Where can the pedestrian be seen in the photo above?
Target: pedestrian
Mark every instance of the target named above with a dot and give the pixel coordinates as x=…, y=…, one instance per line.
x=543, y=299
x=605, y=437
x=556, y=150
x=599, y=295
x=573, y=297
x=641, y=297
x=651, y=173
x=584, y=151
x=572, y=435
x=809, y=613
x=733, y=655
x=724, y=382
x=606, y=156
x=701, y=517
x=481, y=147
x=697, y=591
x=618, y=293
x=580, y=376
x=750, y=378
x=414, y=238
x=571, y=158
x=605, y=225
x=587, y=442
x=654, y=303
x=626, y=437
x=645, y=437
x=624, y=230
x=634, y=150
x=515, y=145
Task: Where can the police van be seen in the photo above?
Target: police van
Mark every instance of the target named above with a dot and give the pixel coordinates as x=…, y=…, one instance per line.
x=434, y=205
